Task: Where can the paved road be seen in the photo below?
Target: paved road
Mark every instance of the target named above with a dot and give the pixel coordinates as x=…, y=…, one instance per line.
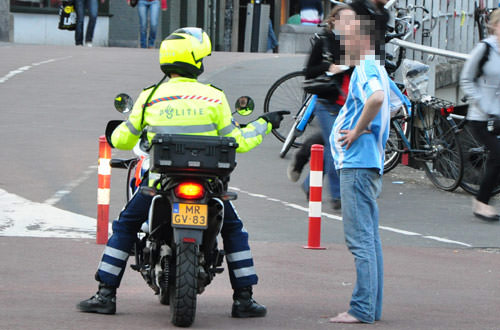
x=442, y=265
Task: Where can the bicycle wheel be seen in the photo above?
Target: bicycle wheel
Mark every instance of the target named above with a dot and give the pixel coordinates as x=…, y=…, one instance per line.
x=287, y=94
x=394, y=143
x=475, y=156
x=443, y=160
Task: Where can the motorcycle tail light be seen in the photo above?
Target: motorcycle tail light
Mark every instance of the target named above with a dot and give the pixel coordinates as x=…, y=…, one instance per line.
x=190, y=190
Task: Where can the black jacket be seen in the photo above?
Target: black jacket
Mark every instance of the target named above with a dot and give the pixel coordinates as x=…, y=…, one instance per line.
x=326, y=50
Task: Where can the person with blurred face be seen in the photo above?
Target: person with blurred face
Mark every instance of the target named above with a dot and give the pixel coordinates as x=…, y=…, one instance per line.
x=358, y=140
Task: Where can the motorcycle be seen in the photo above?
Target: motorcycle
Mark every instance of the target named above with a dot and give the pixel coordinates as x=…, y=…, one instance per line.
x=176, y=250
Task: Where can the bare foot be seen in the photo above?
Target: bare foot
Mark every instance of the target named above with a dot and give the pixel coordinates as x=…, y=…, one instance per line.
x=344, y=318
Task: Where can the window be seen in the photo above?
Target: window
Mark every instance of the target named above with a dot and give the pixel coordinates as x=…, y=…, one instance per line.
x=47, y=6
x=35, y=3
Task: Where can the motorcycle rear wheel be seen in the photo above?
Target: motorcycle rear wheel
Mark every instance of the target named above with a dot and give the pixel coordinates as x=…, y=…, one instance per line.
x=183, y=293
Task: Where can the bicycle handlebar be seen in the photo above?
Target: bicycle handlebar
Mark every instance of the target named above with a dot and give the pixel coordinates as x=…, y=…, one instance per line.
x=390, y=36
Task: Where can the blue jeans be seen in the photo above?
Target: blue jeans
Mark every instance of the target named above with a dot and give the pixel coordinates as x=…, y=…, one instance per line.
x=326, y=113
x=272, y=41
x=92, y=7
x=359, y=189
x=151, y=9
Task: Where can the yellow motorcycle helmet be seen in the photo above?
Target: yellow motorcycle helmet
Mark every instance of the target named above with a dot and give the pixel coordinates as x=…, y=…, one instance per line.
x=182, y=52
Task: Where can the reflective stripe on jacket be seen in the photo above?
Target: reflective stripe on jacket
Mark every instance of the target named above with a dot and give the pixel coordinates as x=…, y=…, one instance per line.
x=185, y=106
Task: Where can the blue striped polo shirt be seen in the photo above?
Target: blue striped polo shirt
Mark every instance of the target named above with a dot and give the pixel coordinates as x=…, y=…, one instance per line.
x=368, y=150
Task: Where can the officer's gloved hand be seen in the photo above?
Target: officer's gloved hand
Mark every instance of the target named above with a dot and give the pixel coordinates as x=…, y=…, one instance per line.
x=275, y=117
x=110, y=127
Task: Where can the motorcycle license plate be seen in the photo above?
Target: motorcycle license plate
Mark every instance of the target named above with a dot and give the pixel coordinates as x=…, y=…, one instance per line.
x=189, y=215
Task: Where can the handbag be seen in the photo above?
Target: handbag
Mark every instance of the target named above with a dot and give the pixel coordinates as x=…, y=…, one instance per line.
x=133, y=3
x=493, y=125
x=67, y=15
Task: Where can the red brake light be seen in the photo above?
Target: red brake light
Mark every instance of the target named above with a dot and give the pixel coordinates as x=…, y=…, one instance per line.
x=190, y=190
x=446, y=111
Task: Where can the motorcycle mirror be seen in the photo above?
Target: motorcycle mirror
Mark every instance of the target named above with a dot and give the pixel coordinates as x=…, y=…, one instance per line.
x=244, y=105
x=123, y=103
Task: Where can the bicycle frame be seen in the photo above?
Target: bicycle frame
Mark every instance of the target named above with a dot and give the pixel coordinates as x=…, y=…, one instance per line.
x=303, y=119
x=304, y=116
x=407, y=141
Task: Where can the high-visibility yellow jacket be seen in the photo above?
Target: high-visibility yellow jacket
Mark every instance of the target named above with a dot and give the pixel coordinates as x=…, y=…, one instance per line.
x=185, y=106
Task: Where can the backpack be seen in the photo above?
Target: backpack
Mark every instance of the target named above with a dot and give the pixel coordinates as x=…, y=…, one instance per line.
x=483, y=60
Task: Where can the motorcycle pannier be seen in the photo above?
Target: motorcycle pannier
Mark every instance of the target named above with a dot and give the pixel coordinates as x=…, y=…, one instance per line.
x=171, y=153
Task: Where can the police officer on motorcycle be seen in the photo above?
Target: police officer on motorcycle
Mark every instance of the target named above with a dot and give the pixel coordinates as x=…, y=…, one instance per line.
x=182, y=105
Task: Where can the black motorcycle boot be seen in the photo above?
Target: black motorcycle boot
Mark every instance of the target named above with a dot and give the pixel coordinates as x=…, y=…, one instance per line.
x=244, y=305
x=103, y=302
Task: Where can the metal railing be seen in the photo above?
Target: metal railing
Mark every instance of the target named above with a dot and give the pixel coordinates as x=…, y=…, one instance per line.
x=430, y=50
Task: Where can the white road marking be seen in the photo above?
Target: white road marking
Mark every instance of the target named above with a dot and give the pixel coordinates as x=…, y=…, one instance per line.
x=21, y=217
x=27, y=67
x=72, y=185
x=445, y=240
x=336, y=217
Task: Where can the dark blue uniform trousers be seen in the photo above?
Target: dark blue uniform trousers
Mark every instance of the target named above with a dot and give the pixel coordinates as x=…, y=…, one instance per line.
x=234, y=236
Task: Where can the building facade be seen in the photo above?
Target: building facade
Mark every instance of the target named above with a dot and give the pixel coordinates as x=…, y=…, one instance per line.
x=36, y=21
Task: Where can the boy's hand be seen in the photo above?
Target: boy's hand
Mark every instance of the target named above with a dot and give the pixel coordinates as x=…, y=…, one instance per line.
x=350, y=136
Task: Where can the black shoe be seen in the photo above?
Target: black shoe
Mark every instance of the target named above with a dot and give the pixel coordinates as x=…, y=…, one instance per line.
x=244, y=306
x=104, y=301
x=336, y=204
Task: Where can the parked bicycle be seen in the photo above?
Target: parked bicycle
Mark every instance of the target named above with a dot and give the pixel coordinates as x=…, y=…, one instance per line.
x=431, y=142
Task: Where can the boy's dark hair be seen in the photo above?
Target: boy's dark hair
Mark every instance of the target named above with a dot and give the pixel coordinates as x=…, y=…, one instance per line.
x=367, y=28
x=367, y=10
